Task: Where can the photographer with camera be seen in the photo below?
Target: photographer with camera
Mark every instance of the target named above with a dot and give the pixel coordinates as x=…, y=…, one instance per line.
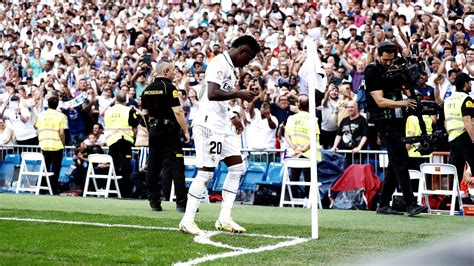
x=384, y=106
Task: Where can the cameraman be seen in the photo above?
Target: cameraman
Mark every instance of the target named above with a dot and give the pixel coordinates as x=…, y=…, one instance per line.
x=384, y=106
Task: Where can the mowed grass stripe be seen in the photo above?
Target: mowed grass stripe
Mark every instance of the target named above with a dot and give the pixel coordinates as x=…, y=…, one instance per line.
x=64, y=243
x=345, y=236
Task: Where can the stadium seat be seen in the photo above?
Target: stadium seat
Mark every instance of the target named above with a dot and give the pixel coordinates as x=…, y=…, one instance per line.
x=110, y=176
x=255, y=174
x=7, y=170
x=64, y=174
x=414, y=175
x=274, y=174
x=32, y=171
x=286, y=185
x=438, y=169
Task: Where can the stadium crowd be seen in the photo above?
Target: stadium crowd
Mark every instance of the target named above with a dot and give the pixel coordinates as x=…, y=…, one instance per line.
x=87, y=52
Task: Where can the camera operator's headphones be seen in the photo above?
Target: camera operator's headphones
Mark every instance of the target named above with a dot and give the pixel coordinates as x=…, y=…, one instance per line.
x=386, y=46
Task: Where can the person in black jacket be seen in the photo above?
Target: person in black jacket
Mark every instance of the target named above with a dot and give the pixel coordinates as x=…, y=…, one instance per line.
x=166, y=123
x=384, y=106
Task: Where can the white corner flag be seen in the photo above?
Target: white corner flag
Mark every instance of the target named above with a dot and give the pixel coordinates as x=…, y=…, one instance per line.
x=314, y=76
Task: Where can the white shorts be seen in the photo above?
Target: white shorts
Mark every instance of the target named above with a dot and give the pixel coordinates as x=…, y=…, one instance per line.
x=211, y=147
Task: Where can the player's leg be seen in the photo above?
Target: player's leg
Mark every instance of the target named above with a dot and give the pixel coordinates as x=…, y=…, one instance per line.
x=206, y=160
x=233, y=160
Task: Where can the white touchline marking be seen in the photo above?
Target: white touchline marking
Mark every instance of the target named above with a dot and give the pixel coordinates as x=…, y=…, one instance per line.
x=212, y=257
x=89, y=223
x=237, y=251
x=207, y=241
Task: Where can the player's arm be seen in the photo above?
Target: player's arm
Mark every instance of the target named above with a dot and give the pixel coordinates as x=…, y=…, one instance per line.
x=214, y=93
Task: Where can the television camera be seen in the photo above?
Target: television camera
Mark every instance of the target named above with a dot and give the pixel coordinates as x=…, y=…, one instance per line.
x=405, y=72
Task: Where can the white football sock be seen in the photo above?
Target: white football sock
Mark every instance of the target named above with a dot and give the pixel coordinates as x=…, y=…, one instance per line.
x=230, y=189
x=196, y=193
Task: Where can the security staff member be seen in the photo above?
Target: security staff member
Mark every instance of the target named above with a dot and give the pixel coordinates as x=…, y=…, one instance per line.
x=51, y=125
x=166, y=120
x=384, y=106
x=120, y=122
x=458, y=111
x=297, y=137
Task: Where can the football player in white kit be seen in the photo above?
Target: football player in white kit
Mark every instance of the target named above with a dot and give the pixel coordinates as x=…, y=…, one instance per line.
x=213, y=135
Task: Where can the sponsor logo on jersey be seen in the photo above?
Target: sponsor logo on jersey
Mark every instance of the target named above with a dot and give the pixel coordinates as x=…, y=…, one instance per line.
x=227, y=87
x=220, y=74
x=175, y=94
x=469, y=104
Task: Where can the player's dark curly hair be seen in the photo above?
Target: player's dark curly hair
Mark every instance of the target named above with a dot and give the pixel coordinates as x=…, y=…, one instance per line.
x=247, y=40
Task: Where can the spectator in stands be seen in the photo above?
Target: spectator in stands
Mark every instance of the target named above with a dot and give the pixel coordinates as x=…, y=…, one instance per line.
x=20, y=121
x=329, y=108
x=76, y=121
x=98, y=131
x=51, y=125
x=106, y=100
x=263, y=125
x=282, y=109
x=424, y=89
x=85, y=148
x=6, y=133
x=352, y=132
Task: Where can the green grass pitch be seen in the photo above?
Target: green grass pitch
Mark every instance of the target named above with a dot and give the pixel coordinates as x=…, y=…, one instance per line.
x=345, y=236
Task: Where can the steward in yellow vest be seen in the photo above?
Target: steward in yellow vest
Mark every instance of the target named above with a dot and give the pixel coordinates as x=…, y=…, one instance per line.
x=297, y=136
x=117, y=124
x=51, y=125
x=458, y=112
x=120, y=122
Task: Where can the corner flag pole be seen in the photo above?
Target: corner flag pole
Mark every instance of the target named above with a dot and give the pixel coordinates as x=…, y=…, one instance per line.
x=313, y=79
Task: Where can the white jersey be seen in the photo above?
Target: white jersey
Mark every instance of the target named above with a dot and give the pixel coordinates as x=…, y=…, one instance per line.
x=214, y=114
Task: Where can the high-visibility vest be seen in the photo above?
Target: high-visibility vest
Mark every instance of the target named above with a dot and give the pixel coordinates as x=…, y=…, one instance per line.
x=48, y=124
x=453, y=115
x=297, y=127
x=116, y=124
